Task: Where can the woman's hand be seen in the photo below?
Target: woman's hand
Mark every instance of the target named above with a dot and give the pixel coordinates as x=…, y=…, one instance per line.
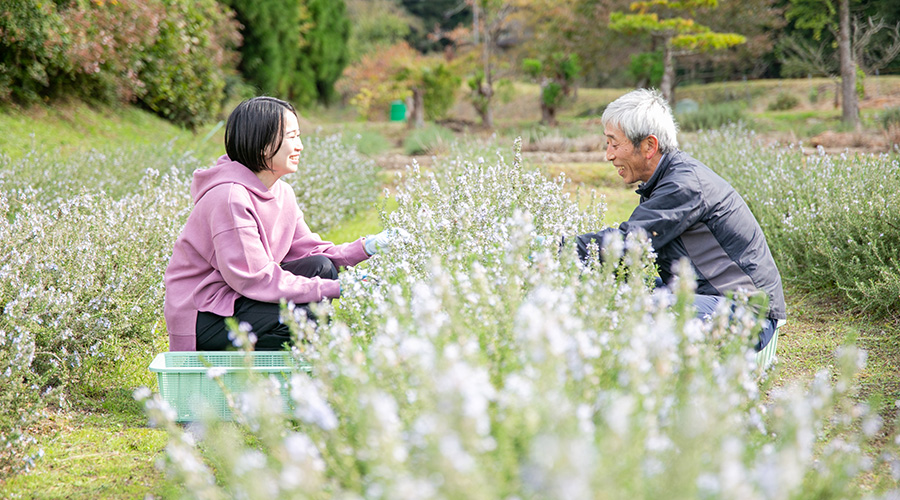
x=381, y=241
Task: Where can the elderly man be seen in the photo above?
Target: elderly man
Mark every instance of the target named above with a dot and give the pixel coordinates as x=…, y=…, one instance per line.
x=687, y=210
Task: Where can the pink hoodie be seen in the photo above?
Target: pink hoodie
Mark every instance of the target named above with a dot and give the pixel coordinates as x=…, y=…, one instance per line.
x=234, y=241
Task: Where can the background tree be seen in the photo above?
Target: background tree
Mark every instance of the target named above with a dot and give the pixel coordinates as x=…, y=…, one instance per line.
x=494, y=17
x=377, y=24
x=325, y=53
x=436, y=16
x=760, y=21
x=293, y=49
x=863, y=46
x=677, y=35
x=273, y=33
x=556, y=76
x=398, y=72
x=834, y=16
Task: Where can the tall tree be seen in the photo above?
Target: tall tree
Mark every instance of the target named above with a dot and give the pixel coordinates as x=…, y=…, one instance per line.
x=676, y=34
x=761, y=21
x=493, y=18
x=436, y=16
x=294, y=49
x=834, y=16
x=325, y=53
x=577, y=27
x=272, y=32
x=377, y=24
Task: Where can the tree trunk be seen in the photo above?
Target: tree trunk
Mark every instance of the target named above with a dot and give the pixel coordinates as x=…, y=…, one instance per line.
x=668, y=78
x=487, y=85
x=417, y=120
x=548, y=115
x=487, y=119
x=850, y=104
x=548, y=112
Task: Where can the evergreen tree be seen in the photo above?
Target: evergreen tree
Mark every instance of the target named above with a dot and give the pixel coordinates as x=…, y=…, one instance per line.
x=326, y=52
x=271, y=41
x=678, y=35
x=436, y=15
x=293, y=49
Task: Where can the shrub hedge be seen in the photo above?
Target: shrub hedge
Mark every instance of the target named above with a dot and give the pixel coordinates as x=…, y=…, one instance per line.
x=170, y=56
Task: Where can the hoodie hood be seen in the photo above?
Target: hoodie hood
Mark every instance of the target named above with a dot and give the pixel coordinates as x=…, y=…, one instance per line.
x=227, y=171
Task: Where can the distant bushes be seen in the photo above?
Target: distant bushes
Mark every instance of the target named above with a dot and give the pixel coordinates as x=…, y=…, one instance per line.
x=171, y=56
x=711, y=116
x=431, y=139
x=890, y=122
x=783, y=102
x=390, y=73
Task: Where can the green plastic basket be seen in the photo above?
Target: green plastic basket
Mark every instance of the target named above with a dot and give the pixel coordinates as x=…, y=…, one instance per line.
x=766, y=357
x=184, y=382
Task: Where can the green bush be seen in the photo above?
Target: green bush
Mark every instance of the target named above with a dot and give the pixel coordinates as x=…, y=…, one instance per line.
x=889, y=118
x=32, y=49
x=441, y=85
x=183, y=69
x=431, y=139
x=368, y=142
x=19, y=400
x=169, y=55
x=783, y=102
x=532, y=67
x=711, y=116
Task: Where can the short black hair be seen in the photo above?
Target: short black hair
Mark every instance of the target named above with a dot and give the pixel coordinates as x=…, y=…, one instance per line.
x=253, y=128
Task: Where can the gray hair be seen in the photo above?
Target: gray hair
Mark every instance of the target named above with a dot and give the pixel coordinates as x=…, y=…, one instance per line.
x=642, y=113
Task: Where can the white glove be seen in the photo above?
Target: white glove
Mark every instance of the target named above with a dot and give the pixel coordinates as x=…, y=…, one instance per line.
x=381, y=241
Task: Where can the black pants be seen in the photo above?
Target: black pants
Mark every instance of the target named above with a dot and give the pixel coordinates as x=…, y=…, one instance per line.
x=264, y=317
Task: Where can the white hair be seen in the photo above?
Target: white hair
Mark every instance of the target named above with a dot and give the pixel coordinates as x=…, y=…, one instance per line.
x=642, y=113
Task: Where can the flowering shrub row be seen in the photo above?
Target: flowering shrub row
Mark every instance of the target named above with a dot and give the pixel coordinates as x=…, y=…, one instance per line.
x=84, y=243
x=476, y=361
x=334, y=181
x=831, y=220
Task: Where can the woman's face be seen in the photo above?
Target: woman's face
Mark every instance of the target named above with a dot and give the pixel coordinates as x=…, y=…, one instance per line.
x=287, y=156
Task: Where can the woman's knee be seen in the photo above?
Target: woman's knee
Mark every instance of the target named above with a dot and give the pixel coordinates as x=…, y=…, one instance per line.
x=313, y=266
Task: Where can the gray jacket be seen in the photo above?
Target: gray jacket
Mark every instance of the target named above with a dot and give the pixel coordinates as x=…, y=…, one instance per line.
x=689, y=211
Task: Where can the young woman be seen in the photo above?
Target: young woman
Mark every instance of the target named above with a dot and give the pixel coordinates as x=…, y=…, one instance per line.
x=245, y=245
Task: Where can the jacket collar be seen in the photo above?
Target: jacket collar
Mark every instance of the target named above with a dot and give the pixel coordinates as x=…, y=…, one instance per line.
x=646, y=188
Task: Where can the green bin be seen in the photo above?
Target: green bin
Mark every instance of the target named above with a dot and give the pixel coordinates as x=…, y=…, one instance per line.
x=398, y=111
x=185, y=385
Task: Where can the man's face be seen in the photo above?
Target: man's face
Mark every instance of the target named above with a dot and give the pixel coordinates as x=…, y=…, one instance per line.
x=628, y=160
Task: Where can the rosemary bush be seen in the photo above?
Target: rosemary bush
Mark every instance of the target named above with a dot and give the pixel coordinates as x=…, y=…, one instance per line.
x=832, y=221
x=333, y=182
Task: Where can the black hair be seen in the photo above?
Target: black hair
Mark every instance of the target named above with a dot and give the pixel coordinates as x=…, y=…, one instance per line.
x=253, y=128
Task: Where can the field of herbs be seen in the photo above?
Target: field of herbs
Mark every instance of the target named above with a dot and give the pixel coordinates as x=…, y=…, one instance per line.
x=475, y=359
